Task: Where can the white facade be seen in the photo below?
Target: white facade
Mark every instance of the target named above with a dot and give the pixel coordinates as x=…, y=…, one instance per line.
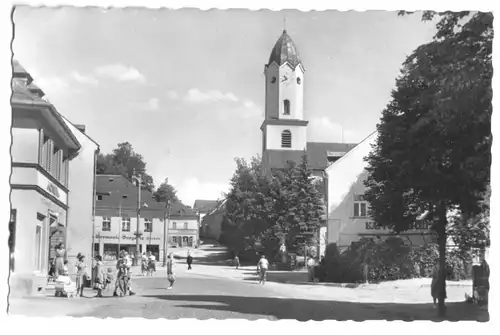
x=284, y=102
x=348, y=219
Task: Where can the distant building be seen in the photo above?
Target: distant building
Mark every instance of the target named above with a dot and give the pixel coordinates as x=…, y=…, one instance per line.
x=116, y=220
x=212, y=221
x=348, y=219
x=50, y=205
x=202, y=207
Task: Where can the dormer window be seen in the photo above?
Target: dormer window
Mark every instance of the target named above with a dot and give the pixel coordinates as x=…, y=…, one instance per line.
x=286, y=139
x=286, y=107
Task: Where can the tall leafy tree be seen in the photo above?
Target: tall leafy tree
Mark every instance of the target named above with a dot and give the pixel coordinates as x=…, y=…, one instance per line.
x=124, y=161
x=434, y=146
x=166, y=192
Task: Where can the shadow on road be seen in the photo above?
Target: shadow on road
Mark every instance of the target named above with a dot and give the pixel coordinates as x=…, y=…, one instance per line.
x=304, y=310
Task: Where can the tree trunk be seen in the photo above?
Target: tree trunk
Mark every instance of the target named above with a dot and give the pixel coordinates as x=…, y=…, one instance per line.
x=441, y=231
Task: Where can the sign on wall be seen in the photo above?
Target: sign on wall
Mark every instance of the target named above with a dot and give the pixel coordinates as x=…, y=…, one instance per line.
x=45, y=184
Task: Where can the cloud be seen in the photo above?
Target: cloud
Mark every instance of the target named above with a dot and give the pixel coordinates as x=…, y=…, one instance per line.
x=153, y=104
x=84, y=79
x=196, y=96
x=120, y=72
x=52, y=86
x=322, y=129
x=192, y=189
x=172, y=95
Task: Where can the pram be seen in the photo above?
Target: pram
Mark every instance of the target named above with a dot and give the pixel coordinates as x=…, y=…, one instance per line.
x=65, y=287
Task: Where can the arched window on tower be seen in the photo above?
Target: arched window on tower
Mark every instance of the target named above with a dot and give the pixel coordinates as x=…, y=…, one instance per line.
x=286, y=139
x=286, y=107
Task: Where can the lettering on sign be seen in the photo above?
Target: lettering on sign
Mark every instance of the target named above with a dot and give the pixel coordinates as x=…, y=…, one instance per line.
x=370, y=225
x=53, y=190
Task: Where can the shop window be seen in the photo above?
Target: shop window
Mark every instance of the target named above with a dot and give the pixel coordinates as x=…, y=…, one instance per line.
x=106, y=224
x=148, y=225
x=125, y=224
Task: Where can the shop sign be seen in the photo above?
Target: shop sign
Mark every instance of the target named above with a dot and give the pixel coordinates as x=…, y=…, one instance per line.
x=125, y=237
x=53, y=190
x=44, y=183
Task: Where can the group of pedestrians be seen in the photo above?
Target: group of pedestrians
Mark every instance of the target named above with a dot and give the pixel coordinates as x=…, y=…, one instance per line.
x=148, y=264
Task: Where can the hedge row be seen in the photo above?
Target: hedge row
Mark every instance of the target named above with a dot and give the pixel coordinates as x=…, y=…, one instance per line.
x=376, y=261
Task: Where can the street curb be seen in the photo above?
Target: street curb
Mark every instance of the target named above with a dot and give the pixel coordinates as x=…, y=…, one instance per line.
x=352, y=285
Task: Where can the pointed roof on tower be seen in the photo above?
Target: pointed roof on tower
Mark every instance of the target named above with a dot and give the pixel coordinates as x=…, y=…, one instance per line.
x=285, y=51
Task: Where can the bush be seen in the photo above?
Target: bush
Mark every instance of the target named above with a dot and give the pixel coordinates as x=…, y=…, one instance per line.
x=391, y=259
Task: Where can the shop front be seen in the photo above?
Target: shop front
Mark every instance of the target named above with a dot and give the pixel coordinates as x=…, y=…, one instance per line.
x=109, y=246
x=40, y=225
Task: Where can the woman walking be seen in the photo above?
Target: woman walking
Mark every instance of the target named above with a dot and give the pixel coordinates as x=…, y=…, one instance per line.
x=81, y=274
x=59, y=260
x=170, y=271
x=99, y=276
x=144, y=264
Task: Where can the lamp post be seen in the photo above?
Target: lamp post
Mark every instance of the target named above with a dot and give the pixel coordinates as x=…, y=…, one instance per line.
x=137, y=233
x=165, y=233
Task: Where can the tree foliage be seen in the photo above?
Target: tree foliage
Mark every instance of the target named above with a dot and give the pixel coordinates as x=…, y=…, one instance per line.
x=264, y=212
x=123, y=160
x=166, y=192
x=434, y=146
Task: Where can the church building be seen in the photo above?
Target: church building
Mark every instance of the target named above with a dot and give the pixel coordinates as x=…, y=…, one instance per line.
x=284, y=130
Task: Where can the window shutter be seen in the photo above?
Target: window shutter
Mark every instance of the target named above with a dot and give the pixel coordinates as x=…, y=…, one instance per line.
x=41, y=159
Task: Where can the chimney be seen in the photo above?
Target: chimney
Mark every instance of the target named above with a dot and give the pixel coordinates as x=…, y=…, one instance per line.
x=80, y=127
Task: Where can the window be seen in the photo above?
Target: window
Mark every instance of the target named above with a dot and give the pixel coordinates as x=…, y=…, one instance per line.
x=148, y=225
x=286, y=139
x=106, y=224
x=174, y=225
x=41, y=147
x=286, y=107
x=99, y=197
x=56, y=163
x=38, y=248
x=185, y=225
x=298, y=81
x=48, y=154
x=360, y=206
x=174, y=239
x=125, y=224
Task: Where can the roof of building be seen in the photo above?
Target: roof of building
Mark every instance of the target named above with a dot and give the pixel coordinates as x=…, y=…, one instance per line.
x=117, y=190
x=317, y=155
x=25, y=94
x=20, y=72
x=205, y=206
x=285, y=51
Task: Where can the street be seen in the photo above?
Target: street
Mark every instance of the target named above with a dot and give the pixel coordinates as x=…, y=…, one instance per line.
x=203, y=296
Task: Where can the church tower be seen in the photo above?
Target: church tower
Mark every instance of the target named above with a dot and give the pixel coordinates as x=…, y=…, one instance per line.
x=284, y=130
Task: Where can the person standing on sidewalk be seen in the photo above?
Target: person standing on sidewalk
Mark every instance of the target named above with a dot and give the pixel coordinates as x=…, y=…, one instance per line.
x=129, y=262
x=262, y=267
x=310, y=268
x=81, y=274
x=99, y=276
x=189, y=259
x=170, y=271
x=237, y=261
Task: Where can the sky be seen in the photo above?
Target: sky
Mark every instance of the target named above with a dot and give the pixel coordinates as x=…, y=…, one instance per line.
x=186, y=87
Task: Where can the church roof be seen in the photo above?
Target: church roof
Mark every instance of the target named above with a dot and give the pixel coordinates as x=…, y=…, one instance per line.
x=317, y=155
x=284, y=51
